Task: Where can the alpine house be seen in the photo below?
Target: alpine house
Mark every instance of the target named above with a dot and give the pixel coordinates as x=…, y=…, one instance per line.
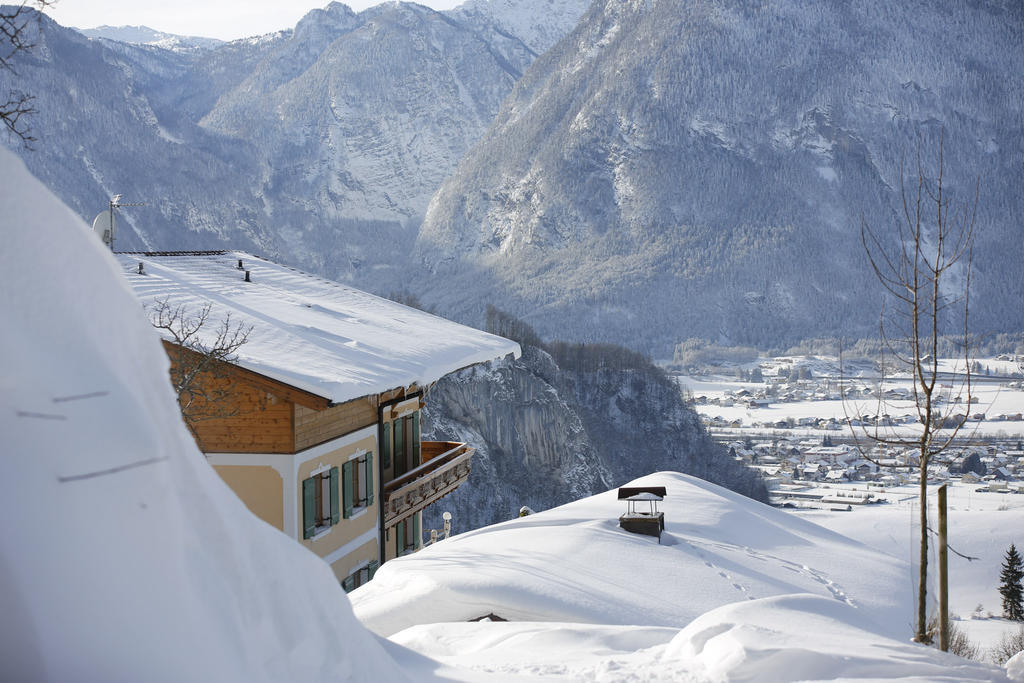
x=316, y=426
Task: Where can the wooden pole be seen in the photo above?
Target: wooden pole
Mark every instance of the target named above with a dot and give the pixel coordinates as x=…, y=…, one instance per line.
x=943, y=575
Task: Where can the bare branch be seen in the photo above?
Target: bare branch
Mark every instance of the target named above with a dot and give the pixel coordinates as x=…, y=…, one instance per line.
x=201, y=360
x=14, y=38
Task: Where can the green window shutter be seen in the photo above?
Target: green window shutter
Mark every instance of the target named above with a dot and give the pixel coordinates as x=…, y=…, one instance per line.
x=349, y=583
x=400, y=538
x=334, y=495
x=400, y=460
x=369, y=479
x=308, y=507
x=385, y=447
x=417, y=537
x=374, y=566
x=416, y=439
x=346, y=470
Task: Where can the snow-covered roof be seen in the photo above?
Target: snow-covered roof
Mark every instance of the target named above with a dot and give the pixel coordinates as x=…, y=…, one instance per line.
x=323, y=337
x=645, y=496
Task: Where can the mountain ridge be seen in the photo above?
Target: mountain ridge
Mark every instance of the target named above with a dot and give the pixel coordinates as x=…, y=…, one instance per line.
x=302, y=145
x=664, y=166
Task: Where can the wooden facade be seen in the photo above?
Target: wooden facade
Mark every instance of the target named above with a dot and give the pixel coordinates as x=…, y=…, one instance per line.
x=314, y=427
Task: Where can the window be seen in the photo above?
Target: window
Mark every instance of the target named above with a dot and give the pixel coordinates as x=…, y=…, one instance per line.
x=320, y=507
x=406, y=442
x=360, y=576
x=335, y=494
x=407, y=535
x=358, y=483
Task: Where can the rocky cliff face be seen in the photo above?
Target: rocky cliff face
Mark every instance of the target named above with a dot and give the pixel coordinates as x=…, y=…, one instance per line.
x=674, y=169
x=546, y=435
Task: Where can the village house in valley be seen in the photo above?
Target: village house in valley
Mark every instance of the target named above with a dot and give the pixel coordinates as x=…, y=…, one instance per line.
x=321, y=437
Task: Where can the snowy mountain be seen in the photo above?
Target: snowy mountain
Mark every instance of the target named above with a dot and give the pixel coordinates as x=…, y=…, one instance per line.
x=143, y=35
x=676, y=169
x=318, y=146
x=538, y=24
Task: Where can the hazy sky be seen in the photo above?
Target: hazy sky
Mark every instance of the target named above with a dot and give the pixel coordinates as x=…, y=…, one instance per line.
x=224, y=19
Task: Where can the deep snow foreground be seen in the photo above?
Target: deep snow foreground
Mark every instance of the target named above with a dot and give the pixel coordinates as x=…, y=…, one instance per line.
x=123, y=556
x=785, y=638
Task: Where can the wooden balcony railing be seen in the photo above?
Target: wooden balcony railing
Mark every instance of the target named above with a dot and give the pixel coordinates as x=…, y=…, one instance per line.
x=445, y=465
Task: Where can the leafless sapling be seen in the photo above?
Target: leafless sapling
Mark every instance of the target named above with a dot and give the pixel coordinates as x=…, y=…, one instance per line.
x=925, y=269
x=201, y=352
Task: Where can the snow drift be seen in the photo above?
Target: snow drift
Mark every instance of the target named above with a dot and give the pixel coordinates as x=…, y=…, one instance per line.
x=123, y=555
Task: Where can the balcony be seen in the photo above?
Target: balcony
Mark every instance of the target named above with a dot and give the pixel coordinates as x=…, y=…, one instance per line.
x=445, y=465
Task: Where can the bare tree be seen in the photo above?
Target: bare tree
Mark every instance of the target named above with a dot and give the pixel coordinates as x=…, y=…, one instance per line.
x=14, y=28
x=201, y=360
x=925, y=268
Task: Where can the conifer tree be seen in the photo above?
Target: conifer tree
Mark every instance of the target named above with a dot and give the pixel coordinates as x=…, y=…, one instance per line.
x=1011, y=587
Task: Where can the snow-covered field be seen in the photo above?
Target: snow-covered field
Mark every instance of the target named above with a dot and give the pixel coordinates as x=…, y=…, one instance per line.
x=994, y=399
x=124, y=557
x=981, y=524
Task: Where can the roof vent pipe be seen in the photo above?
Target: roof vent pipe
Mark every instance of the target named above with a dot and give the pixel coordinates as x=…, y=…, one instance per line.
x=247, y=276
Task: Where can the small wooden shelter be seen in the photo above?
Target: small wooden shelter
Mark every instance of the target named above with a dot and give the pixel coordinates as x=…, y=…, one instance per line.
x=642, y=515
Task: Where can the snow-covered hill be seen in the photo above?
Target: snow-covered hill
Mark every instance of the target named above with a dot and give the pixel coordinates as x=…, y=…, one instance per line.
x=736, y=590
x=718, y=547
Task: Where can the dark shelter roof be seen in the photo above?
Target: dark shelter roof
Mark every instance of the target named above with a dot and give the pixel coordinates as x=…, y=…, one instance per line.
x=630, y=491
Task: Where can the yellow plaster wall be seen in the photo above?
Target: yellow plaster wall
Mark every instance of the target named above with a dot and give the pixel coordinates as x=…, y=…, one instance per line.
x=261, y=488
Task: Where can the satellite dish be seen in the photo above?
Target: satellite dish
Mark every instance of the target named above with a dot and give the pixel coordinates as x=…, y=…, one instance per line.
x=103, y=224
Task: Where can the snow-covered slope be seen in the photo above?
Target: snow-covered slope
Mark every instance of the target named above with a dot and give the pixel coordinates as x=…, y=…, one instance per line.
x=757, y=593
x=124, y=556
x=718, y=547
x=981, y=525
x=772, y=640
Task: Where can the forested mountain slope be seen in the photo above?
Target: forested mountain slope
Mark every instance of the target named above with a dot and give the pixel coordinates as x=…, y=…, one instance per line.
x=675, y=169
x=319, y=146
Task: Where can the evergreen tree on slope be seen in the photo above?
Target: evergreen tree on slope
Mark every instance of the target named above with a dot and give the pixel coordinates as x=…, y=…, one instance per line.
x=1010, y=586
